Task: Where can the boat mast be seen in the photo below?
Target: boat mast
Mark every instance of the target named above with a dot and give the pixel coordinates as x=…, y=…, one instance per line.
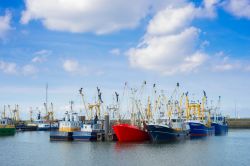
x=46, y=100
x=187, y=107
x=10, y=112
x=31, y=114
x=4, y=111
x=204, y=100
x=71, y=106
x=52, y=112
x=84, y=103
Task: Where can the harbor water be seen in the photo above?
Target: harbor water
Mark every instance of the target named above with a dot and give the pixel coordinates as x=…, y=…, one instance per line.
x=35, y=148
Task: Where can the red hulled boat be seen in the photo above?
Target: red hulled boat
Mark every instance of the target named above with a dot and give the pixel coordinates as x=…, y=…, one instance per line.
x=130, y=133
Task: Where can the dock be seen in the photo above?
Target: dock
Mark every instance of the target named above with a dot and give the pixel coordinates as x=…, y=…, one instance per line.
x=241, y=123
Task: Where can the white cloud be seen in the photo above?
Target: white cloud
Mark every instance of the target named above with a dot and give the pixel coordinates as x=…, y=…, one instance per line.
x=5, y=24
x=12, y=68
x=98, y=16
x=71, y=65
x=171, y=44
x=29, y=70
x=175, y=18
x=115, y=51
x=168, y=54
x=239, y=8
x=8, y=67
x=221, y=62
x=209, y=9
x=171, y=20
x=224, y=67
x=39, y=59
x=41, y=56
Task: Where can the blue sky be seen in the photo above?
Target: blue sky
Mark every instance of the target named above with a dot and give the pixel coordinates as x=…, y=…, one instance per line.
x=204, y=45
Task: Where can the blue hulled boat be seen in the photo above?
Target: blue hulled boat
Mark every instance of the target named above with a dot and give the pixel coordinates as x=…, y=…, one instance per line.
x=89, y=131
x=197, y=128
x=198, y=118
x=218, y=121
x=220, y=125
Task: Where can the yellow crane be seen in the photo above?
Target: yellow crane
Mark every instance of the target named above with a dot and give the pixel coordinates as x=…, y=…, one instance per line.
x=84, y=103
x=204, y=100
x=16, y=113
x=97, y=105
x=187, y=107
x=138, y=101
x=51, y=112
x=148, y=110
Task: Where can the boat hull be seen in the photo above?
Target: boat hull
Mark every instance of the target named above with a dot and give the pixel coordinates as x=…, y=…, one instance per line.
x=46, y=129
x=130, y=133
x=159, y=133
x=86, y=136
x=7, y=131
x=199, y=129
x=220, y=129
x=61, y=136
x=26, y=128
x=49, y=128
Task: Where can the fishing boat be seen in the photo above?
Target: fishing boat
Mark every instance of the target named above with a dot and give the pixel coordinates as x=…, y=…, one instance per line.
x=175, y=130
x=218, y=121
x=170, y=126
x=45, y=124
x=67, y=126
x=130, y=133
x=220, y=125
x=27, y=127
x=7, y=127
x=93, y=127
x=199, y=128
x=135, y=131
x=198, y=118
x=90, y=131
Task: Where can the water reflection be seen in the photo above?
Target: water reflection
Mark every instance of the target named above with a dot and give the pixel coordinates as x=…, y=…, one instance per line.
x=120, y=146
x=34, y=148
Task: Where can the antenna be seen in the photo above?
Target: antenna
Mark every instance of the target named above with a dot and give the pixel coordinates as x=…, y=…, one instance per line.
x=71, y=105
x=235, y=110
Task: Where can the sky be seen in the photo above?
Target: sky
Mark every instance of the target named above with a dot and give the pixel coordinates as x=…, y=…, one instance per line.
x=202, y=44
